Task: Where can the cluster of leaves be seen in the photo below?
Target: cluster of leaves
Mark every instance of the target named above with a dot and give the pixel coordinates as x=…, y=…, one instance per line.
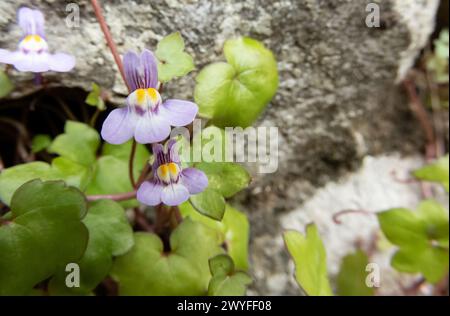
x=51, y=224
x=421, y=238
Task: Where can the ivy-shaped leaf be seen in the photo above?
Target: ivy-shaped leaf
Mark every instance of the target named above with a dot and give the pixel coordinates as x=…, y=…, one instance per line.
x=436, y=172
x=225, y=280
x=43, y=233
x=110, y=235
x=308, y=253
x=13, y=177
x=6, y=85
x=422, y=238
x=149, y=269
x=234, y=93
x=61, y=168
x=234, y=230
x=94, y=98
x=173, y=62
x=40, y=142
x=351, y=280
x=79, y=143
x=225, y=179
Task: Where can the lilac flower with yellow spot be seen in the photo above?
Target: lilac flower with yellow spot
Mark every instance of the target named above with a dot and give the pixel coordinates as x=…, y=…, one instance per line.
x=170, y=184
x=145, y=117
x=32, y=53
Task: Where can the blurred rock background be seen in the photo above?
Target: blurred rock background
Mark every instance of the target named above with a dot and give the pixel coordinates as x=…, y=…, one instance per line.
x=344, y=122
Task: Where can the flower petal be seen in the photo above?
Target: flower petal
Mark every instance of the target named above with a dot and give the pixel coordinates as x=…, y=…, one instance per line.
x=31, y=21
x=149, y=70
x=151, y=128
x=140, y=71
x=178, y=112
x=61, y=62
x=149, y=193
x=31, y=62
x=194, y=180
x=174, y=194
x=8, y=57
x=130, y=65
x=119, y=126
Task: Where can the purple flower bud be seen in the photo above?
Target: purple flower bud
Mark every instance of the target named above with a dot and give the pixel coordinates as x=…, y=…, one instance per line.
x=170, y=184
x=32, y=54
x=145, y=117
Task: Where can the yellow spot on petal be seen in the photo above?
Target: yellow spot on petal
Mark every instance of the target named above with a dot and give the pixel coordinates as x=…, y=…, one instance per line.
x=35, y=38
x=174, y=170
x=140, y=96
x=153, y=94
x=163, y=173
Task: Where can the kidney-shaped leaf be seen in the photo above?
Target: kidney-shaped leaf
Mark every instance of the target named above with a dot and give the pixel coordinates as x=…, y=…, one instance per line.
x=110, y=235
x=148, y=269
x=225, y=280
x=43, y=233
x=235, y=93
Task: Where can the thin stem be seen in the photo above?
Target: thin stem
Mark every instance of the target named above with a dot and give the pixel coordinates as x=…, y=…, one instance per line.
x=141, y=220
x=94, y=118
x=115, y=197
x=336, y=216
x=109, y=40
x=144, y=174
x=423, y=118
x=131, y=164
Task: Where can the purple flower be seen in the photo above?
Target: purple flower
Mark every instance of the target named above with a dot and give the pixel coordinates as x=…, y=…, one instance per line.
x=145, y=117
x=171, y=184
x=32, y=54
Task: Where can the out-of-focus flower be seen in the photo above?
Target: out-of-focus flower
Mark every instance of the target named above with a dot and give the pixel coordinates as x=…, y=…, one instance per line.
x=171, y=184
x=146, y=117
x=32, y=53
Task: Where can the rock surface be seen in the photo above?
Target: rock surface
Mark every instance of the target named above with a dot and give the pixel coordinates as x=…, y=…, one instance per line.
x=336, y=102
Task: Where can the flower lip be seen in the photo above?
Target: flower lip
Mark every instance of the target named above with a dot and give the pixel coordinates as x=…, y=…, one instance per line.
x=34, y=44
x=145, y=98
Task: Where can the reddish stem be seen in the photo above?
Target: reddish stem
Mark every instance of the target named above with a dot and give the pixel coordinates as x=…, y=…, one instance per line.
x=336, y=216
x=115, y=197
x=109, y=40
x=131, y=163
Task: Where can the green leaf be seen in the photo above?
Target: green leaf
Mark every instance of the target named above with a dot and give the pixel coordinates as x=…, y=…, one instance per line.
x=111, y=177
x=110, y=235
x=147, y=269
x=225, y=280
x=436, y=172
x=78, y=143
x=6, y=85
x=40, y=142
x=234, y=230
x=43, y=235
x=351, y=280
x=227, y=178
x=422, y=237
x=72, y=173
x=14, y=177
x=210, y=203
x=94, y=97
x=173, y=62
x=309, y=257
x=235, y=93
x=123, y=152
x=111, y=173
